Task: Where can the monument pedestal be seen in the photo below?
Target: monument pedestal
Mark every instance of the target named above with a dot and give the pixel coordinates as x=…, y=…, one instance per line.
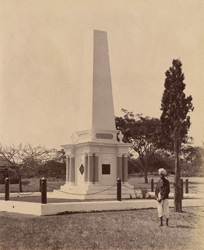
x=94, y=166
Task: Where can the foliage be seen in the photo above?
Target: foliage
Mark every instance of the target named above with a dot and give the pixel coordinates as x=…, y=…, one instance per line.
x=60, y=156
x=193, y=162
x=55, y=167
x=134, y=166
x=175, y=105
x=161, y=160
x=52, y=168
x=143, y=132
x=158, y=160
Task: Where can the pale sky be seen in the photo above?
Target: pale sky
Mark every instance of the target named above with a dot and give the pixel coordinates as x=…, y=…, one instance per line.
x=41, y=57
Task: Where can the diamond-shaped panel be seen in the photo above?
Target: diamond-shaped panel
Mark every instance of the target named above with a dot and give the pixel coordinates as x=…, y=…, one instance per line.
x=81, y=169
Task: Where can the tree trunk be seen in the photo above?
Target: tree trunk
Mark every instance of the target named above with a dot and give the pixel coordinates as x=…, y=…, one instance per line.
x=20, y=183
x=144, y=166
x=177, y=188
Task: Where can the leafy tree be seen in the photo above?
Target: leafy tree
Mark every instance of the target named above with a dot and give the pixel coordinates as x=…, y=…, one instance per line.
x=175, y=121
x=161, y=160
x=55, y=167
x=134, y=165
x=198, y=160
x=144, y=133
x=25, y=158
x=158, y=160
x=52, y=168
x=193, y=161
x=60, y=156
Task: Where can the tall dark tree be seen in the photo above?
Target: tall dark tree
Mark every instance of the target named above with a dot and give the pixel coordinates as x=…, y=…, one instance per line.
x=144, y=134
x=175, y=120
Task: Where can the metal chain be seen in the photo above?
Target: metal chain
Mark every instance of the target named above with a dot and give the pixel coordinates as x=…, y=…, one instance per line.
x=127, y=187
x=83, y=194
x=26, y=194
x=196, y=190
x=33, y=184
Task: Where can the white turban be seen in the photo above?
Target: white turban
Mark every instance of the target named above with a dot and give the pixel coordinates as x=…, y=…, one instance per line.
x=162, y=171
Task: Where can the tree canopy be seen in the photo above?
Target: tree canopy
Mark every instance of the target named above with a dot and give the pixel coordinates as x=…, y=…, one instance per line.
x=143, y=132
x=175, y=105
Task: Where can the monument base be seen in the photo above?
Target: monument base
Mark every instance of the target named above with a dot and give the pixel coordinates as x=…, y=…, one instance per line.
x=90, y=191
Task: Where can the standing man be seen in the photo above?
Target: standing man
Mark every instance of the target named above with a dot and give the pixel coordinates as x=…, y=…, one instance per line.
x=162, y=194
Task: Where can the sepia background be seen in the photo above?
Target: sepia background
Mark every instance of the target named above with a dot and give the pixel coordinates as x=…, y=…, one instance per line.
x=46, y=45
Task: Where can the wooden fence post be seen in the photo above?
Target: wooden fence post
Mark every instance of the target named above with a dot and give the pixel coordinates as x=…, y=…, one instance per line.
x=40, y=184
x=186, y=186
x=43, y=190
x=6, y=189
x=119, y=189
x=152, y=185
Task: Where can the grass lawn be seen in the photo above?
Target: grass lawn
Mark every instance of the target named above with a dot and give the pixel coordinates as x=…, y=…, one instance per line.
x=135, y=229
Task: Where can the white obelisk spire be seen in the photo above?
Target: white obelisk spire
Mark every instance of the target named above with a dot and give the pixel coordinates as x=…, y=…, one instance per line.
x=96, y=110
x=102, y=102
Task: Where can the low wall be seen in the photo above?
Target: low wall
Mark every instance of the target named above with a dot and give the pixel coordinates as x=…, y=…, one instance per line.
x=21, y=207
x=55, y=208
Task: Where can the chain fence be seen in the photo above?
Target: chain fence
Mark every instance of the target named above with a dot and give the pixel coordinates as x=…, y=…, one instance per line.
x=27, y=193
x=82, y=193
x=123, y=185
x=197, y=190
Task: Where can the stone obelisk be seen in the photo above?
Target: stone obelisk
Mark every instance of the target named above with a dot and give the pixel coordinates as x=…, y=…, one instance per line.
x=102, y=105
x=95, y=158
